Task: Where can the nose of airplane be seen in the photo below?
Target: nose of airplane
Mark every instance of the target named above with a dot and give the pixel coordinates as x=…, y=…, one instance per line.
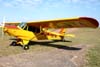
x=11, y=30
x=5, y=29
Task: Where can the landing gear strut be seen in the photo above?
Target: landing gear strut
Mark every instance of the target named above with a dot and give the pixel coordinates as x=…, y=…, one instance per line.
x=23, y=43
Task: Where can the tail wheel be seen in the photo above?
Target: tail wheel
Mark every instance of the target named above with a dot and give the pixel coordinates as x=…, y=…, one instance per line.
x=26, y=47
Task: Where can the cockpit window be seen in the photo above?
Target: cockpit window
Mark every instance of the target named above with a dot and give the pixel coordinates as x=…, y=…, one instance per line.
x=23, y=25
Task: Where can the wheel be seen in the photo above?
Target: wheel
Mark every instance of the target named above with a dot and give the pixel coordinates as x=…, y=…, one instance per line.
x=13, y=43
x=26, y=47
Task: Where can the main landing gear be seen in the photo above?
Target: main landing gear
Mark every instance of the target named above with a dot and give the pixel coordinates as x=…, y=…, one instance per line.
x=26, y=47
x=20, y=43
x=13, y=43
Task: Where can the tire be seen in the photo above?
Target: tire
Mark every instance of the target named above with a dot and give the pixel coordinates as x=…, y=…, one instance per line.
x=26, y=47
x=13, y=43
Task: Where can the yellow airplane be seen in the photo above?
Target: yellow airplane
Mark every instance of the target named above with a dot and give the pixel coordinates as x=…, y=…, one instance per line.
x=40, y=30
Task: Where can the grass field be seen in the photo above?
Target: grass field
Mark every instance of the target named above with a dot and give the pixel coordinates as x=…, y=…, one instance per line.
x=83, y=36
x=93, y=55
x=92, y=38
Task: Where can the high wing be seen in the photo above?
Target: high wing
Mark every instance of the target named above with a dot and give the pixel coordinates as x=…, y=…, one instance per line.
x=79, y=22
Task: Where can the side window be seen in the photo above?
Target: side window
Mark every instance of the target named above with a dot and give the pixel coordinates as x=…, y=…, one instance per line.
x=34, y=29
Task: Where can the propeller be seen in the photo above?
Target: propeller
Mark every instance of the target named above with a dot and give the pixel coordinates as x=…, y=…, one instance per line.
x=3, y=24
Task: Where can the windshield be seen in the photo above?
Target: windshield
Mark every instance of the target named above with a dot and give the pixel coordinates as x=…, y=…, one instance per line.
x=23, y=25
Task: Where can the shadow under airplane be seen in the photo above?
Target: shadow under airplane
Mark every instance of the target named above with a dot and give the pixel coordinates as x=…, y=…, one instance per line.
x=59, y=46
x=50, y=44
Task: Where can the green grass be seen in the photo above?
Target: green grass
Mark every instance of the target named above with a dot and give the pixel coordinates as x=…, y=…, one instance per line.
x=83, y=36
x=93, y=55
x=89, y=37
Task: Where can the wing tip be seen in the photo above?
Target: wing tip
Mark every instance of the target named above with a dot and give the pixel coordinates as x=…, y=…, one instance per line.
x=93, y=20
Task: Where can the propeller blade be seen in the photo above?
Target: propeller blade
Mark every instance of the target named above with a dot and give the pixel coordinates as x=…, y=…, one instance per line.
x=3, y=24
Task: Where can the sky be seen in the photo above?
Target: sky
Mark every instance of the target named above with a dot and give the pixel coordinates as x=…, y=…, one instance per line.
x=32, y=10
